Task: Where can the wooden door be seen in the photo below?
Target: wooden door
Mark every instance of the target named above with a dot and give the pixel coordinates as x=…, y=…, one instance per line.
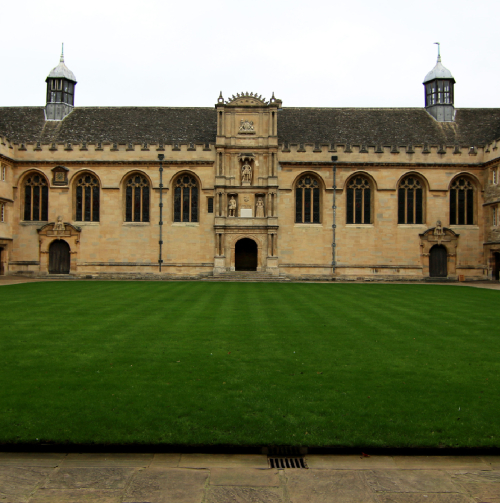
x=496, y=266
x=438, y=262
x=246, y=255
x=59, y=257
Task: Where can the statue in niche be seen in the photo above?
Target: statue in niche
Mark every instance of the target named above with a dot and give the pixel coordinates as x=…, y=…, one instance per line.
x=438, y=230
x=59, y=225
x=246, y=126
x=259, y=212
x=232, y=207
x=246, y=173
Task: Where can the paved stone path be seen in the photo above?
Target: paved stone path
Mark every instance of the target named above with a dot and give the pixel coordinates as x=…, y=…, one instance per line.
x=221, y=478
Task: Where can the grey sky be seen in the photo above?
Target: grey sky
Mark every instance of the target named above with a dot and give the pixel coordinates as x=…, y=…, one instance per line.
x=354, y=53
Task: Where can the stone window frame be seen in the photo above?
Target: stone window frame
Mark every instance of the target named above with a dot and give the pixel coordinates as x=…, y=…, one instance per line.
x=74, y=189
x=494, y=175
x=125, y=182
x=424, y=187
x=197, y=185
x=44, y=202
x=494, y=216
x=320, y=188
x=2, y=212
x=372, y=187
x=475, y=200
x=3, y=173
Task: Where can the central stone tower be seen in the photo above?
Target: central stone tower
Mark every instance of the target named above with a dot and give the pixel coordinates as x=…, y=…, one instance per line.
x=246, y=182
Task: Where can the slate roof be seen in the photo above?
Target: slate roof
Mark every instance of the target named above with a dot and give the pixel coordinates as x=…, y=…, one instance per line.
x=368, y=126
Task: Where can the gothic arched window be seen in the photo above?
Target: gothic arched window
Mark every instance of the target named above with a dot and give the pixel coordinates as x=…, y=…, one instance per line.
x=137, y=199
x=186, y=199
x=358, y=210
x=36, y=198
x=462, y=202
x=87, y=198
x=410, y=201
x=307, y=208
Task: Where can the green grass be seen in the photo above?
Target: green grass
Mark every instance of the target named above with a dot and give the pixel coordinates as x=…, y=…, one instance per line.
x=249, y=364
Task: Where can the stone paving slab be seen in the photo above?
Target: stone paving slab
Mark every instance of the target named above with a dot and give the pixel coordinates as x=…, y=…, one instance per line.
x=31, y=459
x=484, y=493
x=18, y=482
x=424, y=498
x=244, y=477
x=411, y=481
x=90, y=478
x=223, y=461
x=441, y=462
x=111, y=460
x=348, y=462
x=166, y=460
x=75, y=496
x=174, y=485
x=492, y=461
x=243, y=495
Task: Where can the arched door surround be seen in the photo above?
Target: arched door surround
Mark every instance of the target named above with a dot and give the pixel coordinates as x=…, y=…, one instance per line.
x=59, y=257
x=447, y=241
x=246, y=254
x=438, y=262
x=496, y=266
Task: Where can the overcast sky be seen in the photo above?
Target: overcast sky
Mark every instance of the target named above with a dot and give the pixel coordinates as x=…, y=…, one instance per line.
x=312, y=53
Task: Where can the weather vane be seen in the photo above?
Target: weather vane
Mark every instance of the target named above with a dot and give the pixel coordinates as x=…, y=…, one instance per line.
x=439, y=50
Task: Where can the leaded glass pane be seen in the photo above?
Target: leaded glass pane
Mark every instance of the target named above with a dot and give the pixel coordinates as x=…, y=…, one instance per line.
x=453, y=207
x=470, y=207
x=419, y=207
x=298, y=205
x=358, y=202
x=177, y=204
x=194, y=204
x=137, y=204
x=27, y=203
x=45, y=203
x=409, y=206
x=95, y=202
x=87, y=199
x=307, y=205
x=185, y=204
x=316, y=205
x=36, y=202
x=128, y=204
x=79, y=203
x=350, y=206
x=401, y=206
x=145, y=204
x=461, y=207
x=367, y=215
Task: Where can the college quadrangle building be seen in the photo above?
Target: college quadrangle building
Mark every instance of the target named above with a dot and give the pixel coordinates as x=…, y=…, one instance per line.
x=250, y=185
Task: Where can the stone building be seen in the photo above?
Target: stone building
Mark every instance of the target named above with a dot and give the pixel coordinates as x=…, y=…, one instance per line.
x=250, y=185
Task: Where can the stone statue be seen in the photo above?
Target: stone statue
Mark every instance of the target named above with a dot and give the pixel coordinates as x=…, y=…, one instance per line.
x=246, y=173
x=59, y=225
x=232, y=207
x=438, y=230
x=259, y=213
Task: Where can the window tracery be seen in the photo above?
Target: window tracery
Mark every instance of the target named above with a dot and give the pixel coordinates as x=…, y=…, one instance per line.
x=410, y=201
x=36, y=198
x=358, y=200
x=137, y=195
x=186, y=199
x=307, y=200
x=462, y=202
x=87, y=199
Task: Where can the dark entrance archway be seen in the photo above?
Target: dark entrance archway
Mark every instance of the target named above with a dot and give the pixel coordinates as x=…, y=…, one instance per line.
x=245, y=255
x=496, y=266
x=438, y=262
x=59, y=257
x=2, y=272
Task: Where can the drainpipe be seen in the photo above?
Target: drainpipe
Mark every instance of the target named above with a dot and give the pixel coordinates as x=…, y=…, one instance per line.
x=334, y=207
x=160, y=242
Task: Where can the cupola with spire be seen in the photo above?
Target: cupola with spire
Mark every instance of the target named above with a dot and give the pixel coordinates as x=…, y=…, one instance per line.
x=60, y=91
x=439, y=96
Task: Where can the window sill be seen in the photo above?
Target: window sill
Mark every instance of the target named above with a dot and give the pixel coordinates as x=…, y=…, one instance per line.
x=361, y=226
x=33, y=222
x=138, y=224
x=308, y=225
x=475, y=227
x=83, y=224
x=417, y=226
x=185, y=224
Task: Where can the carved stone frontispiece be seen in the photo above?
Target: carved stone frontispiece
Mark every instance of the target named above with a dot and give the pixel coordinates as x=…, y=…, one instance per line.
x=232, y=207
x=438, y=230
x=246, y=127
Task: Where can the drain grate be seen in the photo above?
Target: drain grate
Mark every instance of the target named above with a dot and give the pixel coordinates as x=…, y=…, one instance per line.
x=289, y=462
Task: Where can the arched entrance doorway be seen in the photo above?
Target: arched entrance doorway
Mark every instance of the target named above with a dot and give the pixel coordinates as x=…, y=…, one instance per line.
x=59, y=257
x=2, y=272
x=496, y=266
x=245, y=255
x=438, y=262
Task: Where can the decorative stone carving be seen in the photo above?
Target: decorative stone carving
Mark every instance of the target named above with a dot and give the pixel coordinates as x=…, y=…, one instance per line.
x=232, y=207
x=259, y=211
x=60, y=175
x=246, y=127
x=438, y=230
x=439, y=236
x=59, y=225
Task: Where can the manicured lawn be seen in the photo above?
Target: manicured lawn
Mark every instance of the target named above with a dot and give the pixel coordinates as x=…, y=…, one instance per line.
x=249, y=364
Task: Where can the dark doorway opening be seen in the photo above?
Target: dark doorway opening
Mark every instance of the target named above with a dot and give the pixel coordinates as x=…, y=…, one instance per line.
x=246, y=255
x=496, y=266
x=2, y=272
x=59, y=257
x=438, y=262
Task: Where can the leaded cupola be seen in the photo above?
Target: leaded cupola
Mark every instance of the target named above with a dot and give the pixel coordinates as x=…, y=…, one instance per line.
x=61, y=84
x=439, y=97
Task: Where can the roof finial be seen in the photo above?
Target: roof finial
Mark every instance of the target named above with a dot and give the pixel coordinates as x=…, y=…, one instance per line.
x=439, y=51
x=62, y=54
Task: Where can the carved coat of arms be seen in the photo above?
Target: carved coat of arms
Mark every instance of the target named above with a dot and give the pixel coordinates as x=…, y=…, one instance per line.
x=246, y=127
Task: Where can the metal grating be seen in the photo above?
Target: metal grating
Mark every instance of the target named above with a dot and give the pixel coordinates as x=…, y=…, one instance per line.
x=289, y=462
